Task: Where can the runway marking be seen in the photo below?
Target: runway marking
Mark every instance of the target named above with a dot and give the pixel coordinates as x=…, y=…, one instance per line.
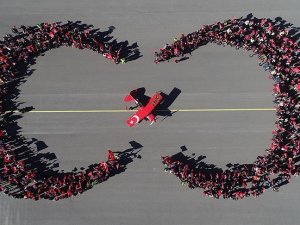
x=126, y=111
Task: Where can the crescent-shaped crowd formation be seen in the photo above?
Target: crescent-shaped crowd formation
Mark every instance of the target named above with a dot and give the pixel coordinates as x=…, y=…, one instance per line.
x=18, y=51
x=277, y=49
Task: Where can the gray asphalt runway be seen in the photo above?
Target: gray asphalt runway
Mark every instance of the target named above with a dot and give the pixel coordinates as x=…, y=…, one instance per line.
x=215, y=77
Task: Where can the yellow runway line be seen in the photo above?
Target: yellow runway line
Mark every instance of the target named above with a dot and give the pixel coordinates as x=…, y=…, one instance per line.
x=223, y=110
x=126, y=111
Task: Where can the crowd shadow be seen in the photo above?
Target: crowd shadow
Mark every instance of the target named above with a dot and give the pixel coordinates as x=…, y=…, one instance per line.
x=127, y=156
x=280, y=23
x=197, y=165
x=130, y=52
x=195, y=162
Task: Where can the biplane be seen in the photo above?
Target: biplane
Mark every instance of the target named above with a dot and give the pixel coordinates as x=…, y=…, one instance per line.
x=146, y=108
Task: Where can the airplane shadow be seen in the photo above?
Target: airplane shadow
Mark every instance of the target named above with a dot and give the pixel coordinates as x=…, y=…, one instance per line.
x=162, y=109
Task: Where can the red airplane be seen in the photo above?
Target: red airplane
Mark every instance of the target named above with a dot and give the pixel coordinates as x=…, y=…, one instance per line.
x=145, y=111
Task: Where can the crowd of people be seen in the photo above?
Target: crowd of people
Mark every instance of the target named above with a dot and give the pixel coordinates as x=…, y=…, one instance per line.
x=275, y=44
x=277, y=51
x=19, y=181
x=18, y=178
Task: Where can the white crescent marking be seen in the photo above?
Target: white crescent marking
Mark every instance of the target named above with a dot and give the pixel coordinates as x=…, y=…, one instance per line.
x=137, y=118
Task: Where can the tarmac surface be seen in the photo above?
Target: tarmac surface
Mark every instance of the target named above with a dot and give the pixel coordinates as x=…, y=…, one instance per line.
x=213, y=78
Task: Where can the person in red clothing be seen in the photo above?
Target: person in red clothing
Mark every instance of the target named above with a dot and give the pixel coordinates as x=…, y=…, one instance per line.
x=111, y=155
x=113, y=159
x=2, y=133
x=104, y=166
